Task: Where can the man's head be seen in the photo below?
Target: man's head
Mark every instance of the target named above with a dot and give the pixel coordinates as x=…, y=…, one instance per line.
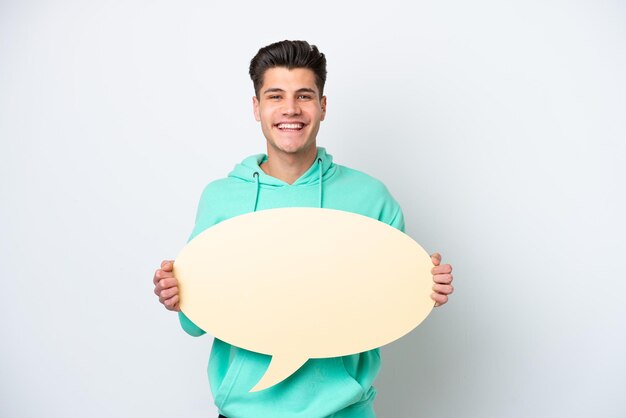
x=288, y=80
x=288, y=54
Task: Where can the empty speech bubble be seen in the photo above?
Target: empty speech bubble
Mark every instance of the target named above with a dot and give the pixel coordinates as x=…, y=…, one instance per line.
x=302, y=283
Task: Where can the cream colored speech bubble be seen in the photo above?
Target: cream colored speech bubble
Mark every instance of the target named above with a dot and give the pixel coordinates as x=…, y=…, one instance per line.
x=300, y=283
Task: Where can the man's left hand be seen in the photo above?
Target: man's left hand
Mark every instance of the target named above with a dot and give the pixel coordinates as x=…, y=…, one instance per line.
x=442, y=278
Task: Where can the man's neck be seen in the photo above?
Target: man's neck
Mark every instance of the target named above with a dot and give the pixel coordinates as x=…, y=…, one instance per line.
x=288, y=167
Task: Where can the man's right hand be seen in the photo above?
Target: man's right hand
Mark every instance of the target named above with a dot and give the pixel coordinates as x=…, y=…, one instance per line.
x=166, y=286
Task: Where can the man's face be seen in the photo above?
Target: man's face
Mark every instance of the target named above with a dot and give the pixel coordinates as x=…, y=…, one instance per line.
x=290, y=109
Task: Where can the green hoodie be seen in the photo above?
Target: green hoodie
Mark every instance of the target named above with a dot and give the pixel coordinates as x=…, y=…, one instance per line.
x=339, y=387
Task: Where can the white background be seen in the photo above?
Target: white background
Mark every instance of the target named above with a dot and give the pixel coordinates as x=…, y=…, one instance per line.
x=498, y=126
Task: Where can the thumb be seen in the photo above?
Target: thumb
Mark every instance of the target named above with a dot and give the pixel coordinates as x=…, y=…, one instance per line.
x=436, y=258
x=167, y=265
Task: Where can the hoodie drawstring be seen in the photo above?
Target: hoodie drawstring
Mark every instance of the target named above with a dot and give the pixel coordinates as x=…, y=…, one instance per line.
x=319, y=165
x=258, y=186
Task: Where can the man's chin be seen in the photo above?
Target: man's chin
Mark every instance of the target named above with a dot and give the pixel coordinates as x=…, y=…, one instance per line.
x=292, y=148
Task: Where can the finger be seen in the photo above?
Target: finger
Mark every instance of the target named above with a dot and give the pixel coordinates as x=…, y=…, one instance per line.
x=172, y=303
x=168, y=293
x=157, y=276
x=442, y=278
x=167, y=297
x=436, y=258
x=444, y=289
x=162, y=274
x=167, y=265
x=442, y=269
x=439, y=299
x=166, y=283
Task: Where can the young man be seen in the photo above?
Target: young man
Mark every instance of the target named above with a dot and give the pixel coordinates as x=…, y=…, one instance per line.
x=289, y=103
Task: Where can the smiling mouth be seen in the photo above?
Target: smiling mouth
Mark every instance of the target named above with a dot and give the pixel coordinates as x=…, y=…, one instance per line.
x=290, y=127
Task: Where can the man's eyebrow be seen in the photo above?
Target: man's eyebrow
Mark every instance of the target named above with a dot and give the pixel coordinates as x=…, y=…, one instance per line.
x=273, y=90
x=279, y=90
x=306, y=90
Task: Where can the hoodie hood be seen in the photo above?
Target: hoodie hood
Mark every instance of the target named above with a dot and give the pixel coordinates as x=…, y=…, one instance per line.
x=249, y=170
x=246, y=169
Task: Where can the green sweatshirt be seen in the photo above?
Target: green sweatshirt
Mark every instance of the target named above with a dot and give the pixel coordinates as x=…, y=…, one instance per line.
x=339, y=387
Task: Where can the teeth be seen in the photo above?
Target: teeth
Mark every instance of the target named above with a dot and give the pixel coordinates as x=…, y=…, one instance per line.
x=290, y=126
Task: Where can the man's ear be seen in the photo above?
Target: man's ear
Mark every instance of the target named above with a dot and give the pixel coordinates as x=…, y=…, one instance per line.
x=255, y=108
x=323, y=104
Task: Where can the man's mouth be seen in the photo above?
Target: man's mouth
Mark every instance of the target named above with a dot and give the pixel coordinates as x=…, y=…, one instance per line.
x=292, y=126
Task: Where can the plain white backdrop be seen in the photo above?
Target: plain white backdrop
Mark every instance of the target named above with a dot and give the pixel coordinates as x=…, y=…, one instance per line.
x=498, y=126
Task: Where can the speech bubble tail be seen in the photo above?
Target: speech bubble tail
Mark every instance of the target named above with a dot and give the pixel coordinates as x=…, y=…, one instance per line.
x=280, y=368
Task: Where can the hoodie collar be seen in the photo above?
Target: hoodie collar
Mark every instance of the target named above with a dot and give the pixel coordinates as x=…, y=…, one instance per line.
x=248, y=167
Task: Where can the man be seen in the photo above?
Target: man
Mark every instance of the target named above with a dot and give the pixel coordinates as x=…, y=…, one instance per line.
x=289, y=103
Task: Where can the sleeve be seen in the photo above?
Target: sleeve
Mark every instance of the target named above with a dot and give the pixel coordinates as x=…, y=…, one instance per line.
x=203, y=214
x=390, y=211
x=397, y=220
x=188, y=326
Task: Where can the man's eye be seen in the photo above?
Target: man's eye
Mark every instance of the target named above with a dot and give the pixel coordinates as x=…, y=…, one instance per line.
x=274, y=97
x=304, y=97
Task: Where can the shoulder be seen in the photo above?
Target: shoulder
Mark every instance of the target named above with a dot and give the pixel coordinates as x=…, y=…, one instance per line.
x=218, y=186
x=221, y=199
x=221, y=188
x=355, y=191
x=362, y=181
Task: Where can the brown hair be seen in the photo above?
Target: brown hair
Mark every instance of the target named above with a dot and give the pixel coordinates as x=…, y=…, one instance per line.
x=289, y=54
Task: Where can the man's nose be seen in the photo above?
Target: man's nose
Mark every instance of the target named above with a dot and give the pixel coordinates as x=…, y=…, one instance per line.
x=291, y=107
